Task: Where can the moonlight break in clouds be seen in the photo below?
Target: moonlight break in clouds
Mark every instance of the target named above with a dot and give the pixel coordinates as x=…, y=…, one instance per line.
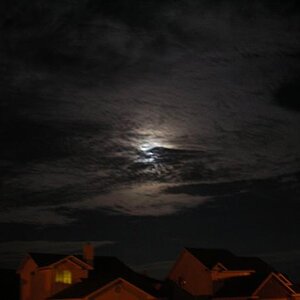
x=147, y=126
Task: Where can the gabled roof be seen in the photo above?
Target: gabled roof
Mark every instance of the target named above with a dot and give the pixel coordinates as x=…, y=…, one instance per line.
x=48, y=259
x=83, y=288
x=108, y=265
x=243, y=286
x=106, y=270
x=247, y=286
x=89, y=287
x=174, y=291
x=296, y=288
x=283, y=282
x=211, y=257
x=249, y=263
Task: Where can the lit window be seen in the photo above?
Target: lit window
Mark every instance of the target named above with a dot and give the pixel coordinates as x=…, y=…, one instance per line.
x=63, y=276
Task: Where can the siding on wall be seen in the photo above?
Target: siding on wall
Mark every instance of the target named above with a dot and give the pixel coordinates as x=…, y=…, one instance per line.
x=77, y=274
x=274, y=289
x=39, y=283
x=25, y=278
x=197, y=277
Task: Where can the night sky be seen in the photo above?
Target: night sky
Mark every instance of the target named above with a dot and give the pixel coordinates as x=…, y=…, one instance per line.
x=147, y=126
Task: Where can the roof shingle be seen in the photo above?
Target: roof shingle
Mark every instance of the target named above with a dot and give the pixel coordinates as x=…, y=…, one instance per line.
x=107, y=269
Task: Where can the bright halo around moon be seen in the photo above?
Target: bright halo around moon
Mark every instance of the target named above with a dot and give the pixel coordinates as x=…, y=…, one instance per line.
x=146, y=155
x=148, y=145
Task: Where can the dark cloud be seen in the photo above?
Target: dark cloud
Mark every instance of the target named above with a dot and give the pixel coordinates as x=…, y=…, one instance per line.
x=288, y=95
x=13, y=251
x=28, y=139
x=150, y=117
x=284, y=182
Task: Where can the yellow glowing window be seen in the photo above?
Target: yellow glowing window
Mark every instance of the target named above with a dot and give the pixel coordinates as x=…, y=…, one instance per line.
x=63, y=276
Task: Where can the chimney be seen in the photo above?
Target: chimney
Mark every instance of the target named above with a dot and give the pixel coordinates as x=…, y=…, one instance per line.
x=88, y=253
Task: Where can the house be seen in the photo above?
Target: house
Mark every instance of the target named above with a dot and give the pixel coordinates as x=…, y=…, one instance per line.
x=112, y=279
x=257, y=286
x=197, y=274
x=221, y=275
x=118, y=288
x=54, y=276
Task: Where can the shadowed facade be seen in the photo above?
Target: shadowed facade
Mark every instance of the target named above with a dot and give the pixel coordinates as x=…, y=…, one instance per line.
x=53, y=276
x=197, y=274
x=219, y=274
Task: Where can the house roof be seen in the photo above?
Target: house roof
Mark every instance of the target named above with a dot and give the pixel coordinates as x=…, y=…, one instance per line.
x=102, y=264
x=83, y=288
x=249, y=263
x=296, y=288
x=108, y=265
x=107, y=269
x=89, y=286
x=248, y=285
x=210, y=257
x=46, y=259
x=241, y=286
x=176, y=292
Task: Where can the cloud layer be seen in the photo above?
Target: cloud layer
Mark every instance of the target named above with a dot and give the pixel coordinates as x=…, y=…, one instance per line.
x=117, y=112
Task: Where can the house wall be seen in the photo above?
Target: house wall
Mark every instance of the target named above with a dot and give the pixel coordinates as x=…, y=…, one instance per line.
x=25, y=279
x=274, y=289
x=196, y=277
x=77, y=274
x=39, y=283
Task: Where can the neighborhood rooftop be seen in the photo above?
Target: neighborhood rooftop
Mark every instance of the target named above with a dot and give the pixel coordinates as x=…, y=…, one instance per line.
x=198, y=273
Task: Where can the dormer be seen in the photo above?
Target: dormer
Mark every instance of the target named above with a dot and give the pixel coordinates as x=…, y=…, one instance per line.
x=219, y=267
x=220, y=272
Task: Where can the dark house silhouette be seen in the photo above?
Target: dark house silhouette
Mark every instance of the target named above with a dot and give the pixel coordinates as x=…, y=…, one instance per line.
x=219, y=274
x=197, y=274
